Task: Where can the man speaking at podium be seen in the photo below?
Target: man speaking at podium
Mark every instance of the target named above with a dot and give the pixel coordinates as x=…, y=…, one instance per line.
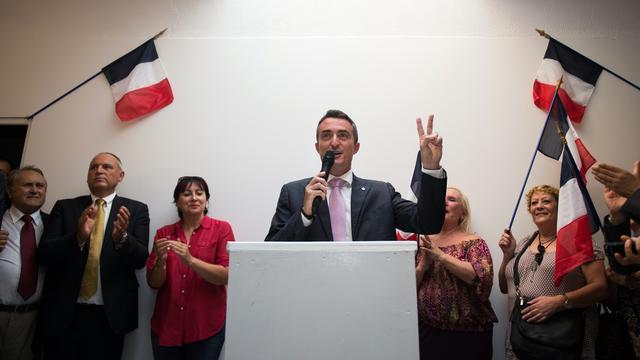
x=358, y=209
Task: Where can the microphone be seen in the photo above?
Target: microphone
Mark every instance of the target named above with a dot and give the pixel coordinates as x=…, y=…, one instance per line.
x=327, y=163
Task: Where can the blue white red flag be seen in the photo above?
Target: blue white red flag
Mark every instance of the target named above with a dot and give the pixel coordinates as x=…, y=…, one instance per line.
x=551, y=145
x=577, y=220
x=580, y=75
x=138, y=82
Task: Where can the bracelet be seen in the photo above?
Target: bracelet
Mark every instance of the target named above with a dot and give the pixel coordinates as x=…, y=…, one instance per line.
x=567, y=304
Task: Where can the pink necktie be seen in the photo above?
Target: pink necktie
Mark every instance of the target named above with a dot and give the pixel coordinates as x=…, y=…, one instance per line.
x=29, y=268
x=337, y=210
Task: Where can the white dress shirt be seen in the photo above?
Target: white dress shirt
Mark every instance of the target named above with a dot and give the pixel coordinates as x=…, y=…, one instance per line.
x=97, y=299
x=10, y=261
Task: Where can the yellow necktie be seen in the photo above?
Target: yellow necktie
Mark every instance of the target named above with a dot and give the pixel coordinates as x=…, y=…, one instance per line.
x=89, y=283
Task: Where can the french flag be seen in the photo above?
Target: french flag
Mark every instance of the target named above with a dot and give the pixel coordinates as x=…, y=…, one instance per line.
x=577, y=220
x=552, y=145
x=579, y=74
x=138, y=82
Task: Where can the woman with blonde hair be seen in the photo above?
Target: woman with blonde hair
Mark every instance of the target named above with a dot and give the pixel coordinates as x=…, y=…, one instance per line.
x=454, y=275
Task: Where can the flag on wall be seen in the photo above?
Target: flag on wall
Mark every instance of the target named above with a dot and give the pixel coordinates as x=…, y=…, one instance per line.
x=580, y=75
x=413, y=196
x=138, y=82
x=577, y=220
x=551, y=145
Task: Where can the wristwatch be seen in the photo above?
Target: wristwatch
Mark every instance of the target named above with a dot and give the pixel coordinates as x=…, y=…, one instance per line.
x=124, y=238
x=567, y=304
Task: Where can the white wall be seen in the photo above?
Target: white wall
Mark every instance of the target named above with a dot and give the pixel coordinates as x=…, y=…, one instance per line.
x=251, y=79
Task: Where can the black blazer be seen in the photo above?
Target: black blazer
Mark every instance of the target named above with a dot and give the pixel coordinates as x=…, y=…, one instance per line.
x=59, y=252
x=376, y=211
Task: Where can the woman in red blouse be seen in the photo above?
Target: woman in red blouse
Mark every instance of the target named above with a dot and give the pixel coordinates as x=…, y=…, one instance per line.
x=189, y=268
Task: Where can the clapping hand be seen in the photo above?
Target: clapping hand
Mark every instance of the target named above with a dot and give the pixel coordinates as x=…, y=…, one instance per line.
x=619, y=180
x=85, y=224
x=181, y=250
x=428, y=248
x=161, y=249
x=120, y=224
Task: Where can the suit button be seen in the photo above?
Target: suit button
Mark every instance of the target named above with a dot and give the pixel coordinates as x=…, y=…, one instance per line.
x=181, y=307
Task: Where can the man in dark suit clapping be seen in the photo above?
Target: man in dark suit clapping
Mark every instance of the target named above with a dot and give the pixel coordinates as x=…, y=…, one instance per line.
x=91, y=247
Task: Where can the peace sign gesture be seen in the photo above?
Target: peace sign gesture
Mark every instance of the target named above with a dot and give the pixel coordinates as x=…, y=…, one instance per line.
x=430, y=145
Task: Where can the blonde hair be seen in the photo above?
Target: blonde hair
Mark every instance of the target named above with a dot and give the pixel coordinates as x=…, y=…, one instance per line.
x=545, y=189
x=464, y=222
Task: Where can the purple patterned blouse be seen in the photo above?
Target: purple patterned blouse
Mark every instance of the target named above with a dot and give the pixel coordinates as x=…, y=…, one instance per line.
x=448, y=303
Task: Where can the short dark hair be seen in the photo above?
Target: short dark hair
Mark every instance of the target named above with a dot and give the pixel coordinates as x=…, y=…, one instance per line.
x=12, y=179
x=339, y=114
x=183, y=183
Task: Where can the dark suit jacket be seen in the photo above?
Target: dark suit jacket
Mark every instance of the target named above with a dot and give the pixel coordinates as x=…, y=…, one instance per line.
x=59, y=252
x=376, y=211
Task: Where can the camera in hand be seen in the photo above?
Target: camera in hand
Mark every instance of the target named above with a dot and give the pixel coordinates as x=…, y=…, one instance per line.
x=611, y=248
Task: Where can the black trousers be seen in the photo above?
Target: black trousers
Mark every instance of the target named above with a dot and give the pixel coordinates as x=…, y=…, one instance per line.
x=445, y=344
x=89, y=337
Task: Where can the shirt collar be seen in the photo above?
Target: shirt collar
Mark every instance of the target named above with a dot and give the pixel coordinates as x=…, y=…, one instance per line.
x=107, y=199
x=347, y=177
x=16, y=215
x=205, y=223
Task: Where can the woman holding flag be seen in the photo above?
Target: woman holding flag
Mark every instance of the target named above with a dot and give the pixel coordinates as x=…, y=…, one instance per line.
x=582, y=287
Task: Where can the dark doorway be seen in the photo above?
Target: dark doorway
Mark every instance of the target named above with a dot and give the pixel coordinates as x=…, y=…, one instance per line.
x=12, y=138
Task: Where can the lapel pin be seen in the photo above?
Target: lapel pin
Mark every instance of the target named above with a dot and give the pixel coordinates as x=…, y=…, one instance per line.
x=362, y=188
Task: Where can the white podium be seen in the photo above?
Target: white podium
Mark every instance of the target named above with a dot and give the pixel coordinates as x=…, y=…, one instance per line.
x=322, y=300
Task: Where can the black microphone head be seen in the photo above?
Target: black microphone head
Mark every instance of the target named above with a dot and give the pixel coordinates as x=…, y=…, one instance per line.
x=327, y=162
x=329, y=157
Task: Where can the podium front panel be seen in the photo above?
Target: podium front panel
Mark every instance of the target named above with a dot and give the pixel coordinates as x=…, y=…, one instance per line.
x=322, y=300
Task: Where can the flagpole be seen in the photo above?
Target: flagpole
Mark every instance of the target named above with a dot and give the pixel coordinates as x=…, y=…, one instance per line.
x=535, y=153
x=156, y=36
x=30, y=117
x=545, y=35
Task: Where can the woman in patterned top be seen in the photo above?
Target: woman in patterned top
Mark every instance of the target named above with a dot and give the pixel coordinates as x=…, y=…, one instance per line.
x=582, y=287
x=454, y=275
